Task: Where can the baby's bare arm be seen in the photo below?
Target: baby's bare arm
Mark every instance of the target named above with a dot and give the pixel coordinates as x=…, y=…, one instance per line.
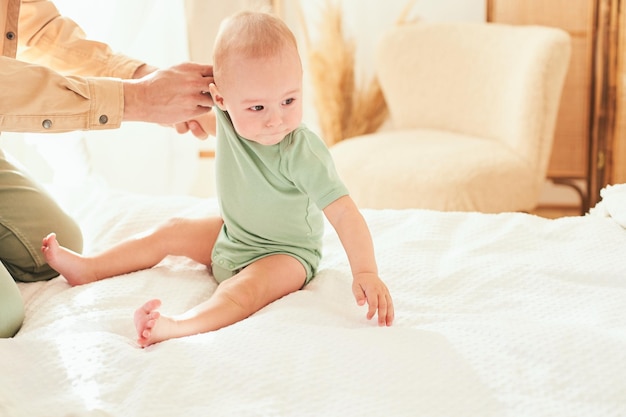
x=356, y=239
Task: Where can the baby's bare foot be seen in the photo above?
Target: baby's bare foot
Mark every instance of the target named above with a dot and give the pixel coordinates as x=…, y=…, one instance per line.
x=151, y=326
x=66, y=262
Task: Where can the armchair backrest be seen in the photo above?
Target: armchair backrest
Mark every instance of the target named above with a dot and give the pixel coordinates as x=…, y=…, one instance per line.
x=489, y=80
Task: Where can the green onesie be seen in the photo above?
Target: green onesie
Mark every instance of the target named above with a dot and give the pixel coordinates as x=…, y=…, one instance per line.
x=271, y=198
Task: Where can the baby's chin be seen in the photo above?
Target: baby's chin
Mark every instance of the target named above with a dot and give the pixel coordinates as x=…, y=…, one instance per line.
x=269, y=139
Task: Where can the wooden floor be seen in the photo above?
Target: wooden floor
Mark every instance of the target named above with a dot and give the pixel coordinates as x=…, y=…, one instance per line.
x=555, y=212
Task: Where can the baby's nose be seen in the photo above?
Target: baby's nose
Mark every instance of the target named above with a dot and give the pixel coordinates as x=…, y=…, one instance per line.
x=274, y=118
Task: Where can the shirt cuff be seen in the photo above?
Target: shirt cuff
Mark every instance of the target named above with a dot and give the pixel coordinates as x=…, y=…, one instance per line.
x=107, y=103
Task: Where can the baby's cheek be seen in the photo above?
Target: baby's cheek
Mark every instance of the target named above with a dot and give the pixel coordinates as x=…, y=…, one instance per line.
x=241, y=128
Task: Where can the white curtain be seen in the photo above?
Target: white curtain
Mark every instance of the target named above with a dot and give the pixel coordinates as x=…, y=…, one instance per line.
x=138, y=157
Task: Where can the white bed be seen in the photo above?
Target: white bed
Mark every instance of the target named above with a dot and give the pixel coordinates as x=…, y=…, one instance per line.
x=496, y=315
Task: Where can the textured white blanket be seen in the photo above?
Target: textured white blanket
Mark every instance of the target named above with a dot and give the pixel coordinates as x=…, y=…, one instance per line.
x=497, y=315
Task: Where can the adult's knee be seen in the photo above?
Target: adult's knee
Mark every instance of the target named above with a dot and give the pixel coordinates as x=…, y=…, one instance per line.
x=20, y=246
x=27, y=214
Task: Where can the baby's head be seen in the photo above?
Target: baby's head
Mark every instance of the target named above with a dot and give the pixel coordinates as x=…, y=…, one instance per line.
x=258, y=76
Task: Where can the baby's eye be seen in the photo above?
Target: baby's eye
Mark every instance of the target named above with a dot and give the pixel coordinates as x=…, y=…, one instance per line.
x=256, y=108
x=288, y=101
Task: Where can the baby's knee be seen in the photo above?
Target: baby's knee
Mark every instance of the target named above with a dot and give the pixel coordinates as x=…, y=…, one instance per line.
x=246, y=296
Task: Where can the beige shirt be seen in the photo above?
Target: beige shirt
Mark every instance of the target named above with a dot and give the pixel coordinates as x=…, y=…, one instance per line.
x=59, y=81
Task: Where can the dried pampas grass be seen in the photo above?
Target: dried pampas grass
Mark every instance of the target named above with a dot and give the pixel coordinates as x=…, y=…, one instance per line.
x=344, y=110
x=331, y=63
x=368, y=111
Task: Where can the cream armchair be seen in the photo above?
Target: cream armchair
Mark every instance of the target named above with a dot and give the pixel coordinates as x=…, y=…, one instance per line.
x=472, y=107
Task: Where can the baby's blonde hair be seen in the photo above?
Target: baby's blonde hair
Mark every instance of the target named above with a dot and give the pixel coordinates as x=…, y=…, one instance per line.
x=252, y=34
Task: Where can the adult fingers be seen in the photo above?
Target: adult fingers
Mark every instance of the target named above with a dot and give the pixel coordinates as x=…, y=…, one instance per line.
x=197, y=130
x=182, y=127
x=206, y=70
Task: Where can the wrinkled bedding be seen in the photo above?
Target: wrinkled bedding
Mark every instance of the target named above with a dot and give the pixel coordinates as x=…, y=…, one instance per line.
x=496, y=315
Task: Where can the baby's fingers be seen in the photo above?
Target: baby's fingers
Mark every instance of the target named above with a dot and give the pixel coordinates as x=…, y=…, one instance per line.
x=378, y=302
x=381, y=303
x=359, y=294
x=373, y=304
x=386, y=319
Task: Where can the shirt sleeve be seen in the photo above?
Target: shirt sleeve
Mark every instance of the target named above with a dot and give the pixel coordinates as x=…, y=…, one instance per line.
x=312, y=169
x=61, y=81
x=37, y=99
x=49, y=39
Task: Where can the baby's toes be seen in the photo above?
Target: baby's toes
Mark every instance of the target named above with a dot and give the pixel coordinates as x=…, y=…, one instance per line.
x=152, y=319
x=150, y=324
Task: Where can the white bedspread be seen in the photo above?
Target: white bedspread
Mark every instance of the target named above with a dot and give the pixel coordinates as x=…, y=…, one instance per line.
x=497, y=315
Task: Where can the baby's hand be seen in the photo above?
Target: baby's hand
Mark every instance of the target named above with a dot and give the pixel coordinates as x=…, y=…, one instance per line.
x=369, y=287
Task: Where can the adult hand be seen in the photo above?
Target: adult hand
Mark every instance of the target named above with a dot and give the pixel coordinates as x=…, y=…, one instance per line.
x=169, y=96
x=201, y=126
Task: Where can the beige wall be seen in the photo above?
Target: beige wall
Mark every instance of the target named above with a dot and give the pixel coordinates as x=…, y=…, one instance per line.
x=203, y=19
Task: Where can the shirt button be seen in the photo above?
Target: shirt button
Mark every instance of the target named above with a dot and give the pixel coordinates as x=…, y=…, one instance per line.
x=47, y=124
x=10, y=35
x=103, y=119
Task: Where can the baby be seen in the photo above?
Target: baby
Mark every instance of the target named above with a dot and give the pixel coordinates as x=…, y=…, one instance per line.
x=275, y=182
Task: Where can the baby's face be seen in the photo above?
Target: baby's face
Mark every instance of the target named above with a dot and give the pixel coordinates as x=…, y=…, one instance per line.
x=263, y=96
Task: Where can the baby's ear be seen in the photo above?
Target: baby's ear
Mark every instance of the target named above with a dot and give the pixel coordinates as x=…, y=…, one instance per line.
x=218, y=99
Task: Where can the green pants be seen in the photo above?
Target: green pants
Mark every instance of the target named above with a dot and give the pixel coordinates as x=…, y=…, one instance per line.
x=27, y=214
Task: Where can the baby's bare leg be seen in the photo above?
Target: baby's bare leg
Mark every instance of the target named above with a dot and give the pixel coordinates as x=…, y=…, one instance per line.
x=193, y=238
x=256, y=286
